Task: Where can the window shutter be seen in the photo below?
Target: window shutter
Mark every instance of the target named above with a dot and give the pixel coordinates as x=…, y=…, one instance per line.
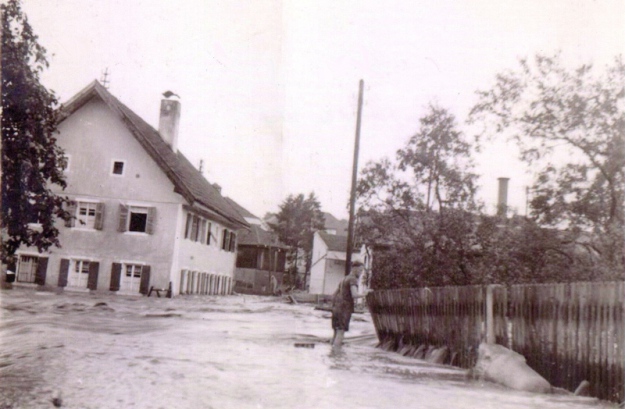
x=71, y=209
x=42, y=268
x=187, y=229
x=233, y=239
x=63, y=272
x=99, y=216
x=149, y=227
x=208, y=233
x=92, y=281
x=145, y=280
x=123, y=218
x=116, y=273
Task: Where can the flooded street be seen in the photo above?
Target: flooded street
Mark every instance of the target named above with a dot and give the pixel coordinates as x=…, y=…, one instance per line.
x=217, y=352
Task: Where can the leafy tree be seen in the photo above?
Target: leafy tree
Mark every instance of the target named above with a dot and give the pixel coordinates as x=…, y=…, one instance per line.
x=519, y=251
x=421, y=208
x=570, y=126
x=31, y=160
x=296, y=222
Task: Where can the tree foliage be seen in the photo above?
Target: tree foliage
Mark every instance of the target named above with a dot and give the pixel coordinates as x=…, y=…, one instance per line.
x=31, y=160
x=296, y=222
x=570, y=128
x=421, y=208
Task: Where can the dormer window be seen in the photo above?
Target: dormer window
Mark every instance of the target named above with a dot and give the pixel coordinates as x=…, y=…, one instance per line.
x=118, y=168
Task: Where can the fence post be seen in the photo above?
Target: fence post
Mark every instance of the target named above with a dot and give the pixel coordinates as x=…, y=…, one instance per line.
x=490, y=321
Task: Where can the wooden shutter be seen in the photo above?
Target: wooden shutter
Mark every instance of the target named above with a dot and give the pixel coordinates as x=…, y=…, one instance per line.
x=63, y=272
x=123, y=218
x=187, y=229
x=99, y=216
x=233, y=239
x=116, y=275
x=92, y=280
x=149, y=227
x=209, y=233
x=42, y=268
x=71, y=209
x=145, y=280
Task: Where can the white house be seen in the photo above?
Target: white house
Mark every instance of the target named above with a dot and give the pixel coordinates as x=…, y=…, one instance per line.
x=328, y=262
x=144, y=216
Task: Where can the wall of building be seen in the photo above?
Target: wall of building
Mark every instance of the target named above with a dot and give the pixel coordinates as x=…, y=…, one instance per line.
x=93, y=138
x=335, y=272
x=202, y=258
x=318, y=265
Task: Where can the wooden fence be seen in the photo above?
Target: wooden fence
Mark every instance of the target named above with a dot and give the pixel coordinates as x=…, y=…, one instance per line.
x=567, y=332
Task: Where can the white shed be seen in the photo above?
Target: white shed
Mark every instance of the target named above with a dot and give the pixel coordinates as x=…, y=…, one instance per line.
x=328, y=262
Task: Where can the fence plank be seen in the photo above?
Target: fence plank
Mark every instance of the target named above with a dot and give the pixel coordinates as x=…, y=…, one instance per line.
x=567, y=332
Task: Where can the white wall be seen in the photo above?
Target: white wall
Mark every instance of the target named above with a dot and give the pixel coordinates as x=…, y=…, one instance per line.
x=318, y=265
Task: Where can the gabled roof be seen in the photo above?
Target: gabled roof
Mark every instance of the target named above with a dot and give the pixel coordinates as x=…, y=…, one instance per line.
x=242, y=211
x=334, y=242
x=332, y=223
x=187, y=180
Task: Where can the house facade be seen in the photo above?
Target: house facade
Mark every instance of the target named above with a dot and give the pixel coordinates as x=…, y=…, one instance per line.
x=143, y=215
x=261, y=258
x=328, y=262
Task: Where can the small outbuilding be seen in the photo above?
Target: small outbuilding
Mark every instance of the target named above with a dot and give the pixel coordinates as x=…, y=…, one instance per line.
x=328, y=262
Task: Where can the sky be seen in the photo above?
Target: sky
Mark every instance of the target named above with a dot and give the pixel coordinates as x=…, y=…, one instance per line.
x=269, y=88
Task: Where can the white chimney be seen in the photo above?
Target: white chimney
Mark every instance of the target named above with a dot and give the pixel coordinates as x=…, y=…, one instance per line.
x=169, y=121
x=502, y=201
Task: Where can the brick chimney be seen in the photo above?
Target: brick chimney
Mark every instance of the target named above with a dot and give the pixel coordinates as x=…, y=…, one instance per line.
x=169, y=121
x=502, y=200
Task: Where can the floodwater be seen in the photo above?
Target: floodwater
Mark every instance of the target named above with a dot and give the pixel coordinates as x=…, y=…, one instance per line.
x=106, y=351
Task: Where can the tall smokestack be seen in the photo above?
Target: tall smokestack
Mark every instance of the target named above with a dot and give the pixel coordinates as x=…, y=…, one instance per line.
x=502, y=200
x=169, y=120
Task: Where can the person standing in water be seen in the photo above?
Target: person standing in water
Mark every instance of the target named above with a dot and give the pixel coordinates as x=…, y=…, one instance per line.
x=343, y=303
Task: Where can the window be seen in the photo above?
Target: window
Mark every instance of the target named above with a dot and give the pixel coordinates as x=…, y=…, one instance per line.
x=201, y=231
x=233, y=242
x=27, y=269
x=86, y=215
x=79, y=274
x=208, y=233
x=131, y=277
x=137, y=219
x=198, y=229
x=194, y=228
x=118, y=167
x=225, y=243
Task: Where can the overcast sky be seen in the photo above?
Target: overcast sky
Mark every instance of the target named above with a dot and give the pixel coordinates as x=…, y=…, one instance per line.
x=269, y=88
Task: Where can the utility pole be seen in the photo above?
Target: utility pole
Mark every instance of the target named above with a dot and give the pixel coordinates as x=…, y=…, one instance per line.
x=352, y=197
